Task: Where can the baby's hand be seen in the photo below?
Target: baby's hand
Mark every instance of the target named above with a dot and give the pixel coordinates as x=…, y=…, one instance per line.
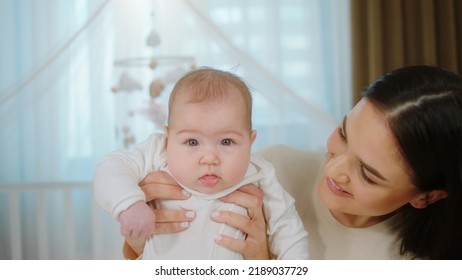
x=137, y=221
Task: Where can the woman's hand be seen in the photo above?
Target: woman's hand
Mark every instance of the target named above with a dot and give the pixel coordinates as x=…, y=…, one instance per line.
x=160, y=185
x=255, y=246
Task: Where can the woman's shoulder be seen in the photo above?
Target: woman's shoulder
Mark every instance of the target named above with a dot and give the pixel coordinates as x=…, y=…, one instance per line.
x=293, y=160
x=296, y=169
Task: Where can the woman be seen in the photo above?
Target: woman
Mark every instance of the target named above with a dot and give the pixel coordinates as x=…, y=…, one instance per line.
x=390, y=186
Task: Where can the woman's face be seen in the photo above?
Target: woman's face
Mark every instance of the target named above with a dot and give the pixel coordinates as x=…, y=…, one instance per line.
x=365, y=177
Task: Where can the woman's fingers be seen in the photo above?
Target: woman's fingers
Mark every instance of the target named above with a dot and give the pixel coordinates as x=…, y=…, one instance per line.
x=169, y=215
x=159, y=177
x=163, y=186
x=250, y=249
x=255, y=244
x=233, y=244
x=254, y=226
x=163, y=191
x=160, y=185
x=252, y=190
x=235, y=220
x=249, y=197
x=248, y=194
x=171, y=227
x=169, y=221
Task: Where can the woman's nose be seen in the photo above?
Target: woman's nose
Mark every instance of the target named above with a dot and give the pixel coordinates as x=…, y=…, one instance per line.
x=337, y=167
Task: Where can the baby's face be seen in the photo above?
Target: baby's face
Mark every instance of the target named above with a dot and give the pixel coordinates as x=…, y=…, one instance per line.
x=209, y=144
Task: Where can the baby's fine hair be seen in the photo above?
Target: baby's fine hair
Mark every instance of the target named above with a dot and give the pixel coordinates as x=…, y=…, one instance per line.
x=209, y=84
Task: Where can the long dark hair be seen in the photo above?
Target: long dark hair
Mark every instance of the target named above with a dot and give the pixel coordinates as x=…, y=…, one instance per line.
x=423, y=106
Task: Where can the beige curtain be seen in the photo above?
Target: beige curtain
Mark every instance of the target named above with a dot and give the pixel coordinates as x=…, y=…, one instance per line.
x=387, y=34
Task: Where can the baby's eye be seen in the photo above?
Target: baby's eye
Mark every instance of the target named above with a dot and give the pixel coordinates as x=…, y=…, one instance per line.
x=227, y=142
x=192, y=142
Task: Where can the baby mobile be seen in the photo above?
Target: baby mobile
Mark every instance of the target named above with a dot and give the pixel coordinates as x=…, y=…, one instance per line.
x=164, y=71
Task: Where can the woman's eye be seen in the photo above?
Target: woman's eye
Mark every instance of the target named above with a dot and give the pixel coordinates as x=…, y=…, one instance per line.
x=341, y=134
x=192, y=142
x=363, y=174
x=227, y=142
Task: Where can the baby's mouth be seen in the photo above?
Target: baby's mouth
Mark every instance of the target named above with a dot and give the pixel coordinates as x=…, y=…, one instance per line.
x=209, y=180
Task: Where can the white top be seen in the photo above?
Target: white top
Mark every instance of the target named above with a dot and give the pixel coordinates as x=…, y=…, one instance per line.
x=298, y=171
x=116, y=188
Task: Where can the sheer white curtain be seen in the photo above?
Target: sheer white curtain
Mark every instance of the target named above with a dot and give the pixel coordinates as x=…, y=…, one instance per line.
x=295, y=55
x=55, y=118
x=56, y=66
x=59, y=116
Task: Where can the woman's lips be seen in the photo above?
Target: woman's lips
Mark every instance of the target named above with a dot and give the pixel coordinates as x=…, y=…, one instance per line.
x=209, y=180
x=336, y=189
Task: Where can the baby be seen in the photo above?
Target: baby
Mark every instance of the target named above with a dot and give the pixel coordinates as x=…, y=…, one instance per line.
x=207, y=150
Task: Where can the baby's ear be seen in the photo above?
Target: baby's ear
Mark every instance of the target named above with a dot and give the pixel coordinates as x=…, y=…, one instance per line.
x=428, y=198
x=253, y=136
